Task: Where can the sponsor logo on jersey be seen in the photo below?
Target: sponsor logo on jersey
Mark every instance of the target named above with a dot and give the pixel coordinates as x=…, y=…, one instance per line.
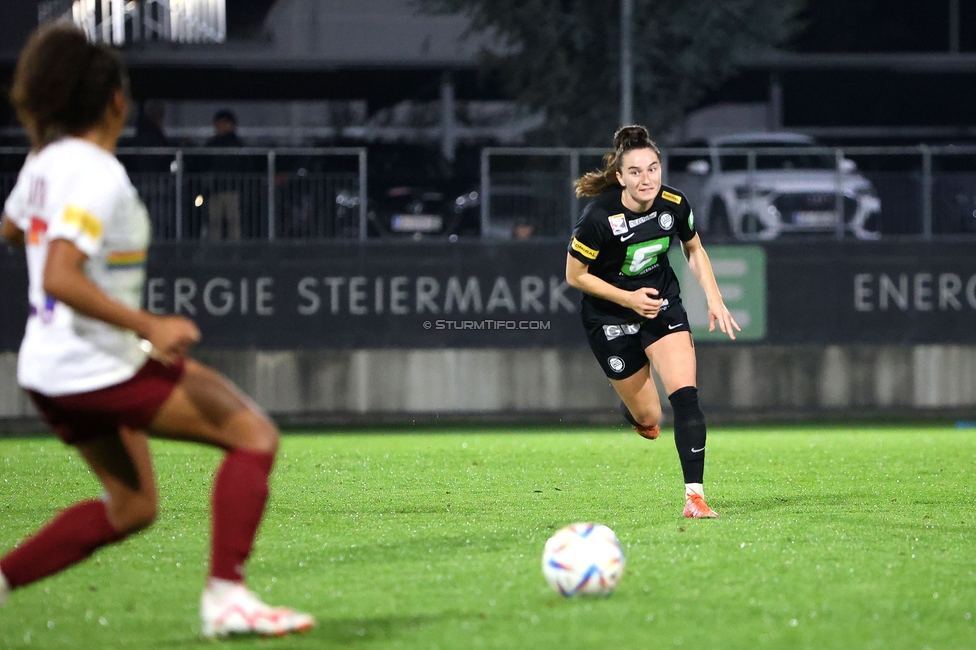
x=626, y=237
x=666, y=221
x=618, y=224
x=616, y=364
x=641, y=257
x=583, y=249
x=639, y=220
x=86, y=222
x=668, y=196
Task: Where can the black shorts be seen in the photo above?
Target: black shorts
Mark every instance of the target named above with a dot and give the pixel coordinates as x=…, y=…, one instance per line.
x=620, y=348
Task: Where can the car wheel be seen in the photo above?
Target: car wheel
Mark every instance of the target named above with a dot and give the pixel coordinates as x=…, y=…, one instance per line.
x=718, y=220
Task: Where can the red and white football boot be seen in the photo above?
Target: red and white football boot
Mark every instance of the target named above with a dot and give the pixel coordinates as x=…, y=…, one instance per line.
x=230, y=608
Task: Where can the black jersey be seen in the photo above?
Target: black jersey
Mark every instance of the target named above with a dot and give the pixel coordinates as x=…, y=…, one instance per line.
x=630, y=250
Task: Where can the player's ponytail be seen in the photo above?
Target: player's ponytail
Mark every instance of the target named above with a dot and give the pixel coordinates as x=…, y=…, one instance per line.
x=63, y=84
x=627, y=138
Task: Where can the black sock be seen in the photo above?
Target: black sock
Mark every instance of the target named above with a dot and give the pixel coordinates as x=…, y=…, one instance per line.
x=689, y=432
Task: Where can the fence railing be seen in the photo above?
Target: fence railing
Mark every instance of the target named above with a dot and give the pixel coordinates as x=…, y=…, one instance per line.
x=745, y=194
x=243, y=193
x=754, y=193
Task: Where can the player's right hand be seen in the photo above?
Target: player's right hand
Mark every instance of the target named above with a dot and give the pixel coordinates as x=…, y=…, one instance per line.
x=172, y=336
x=645, y=302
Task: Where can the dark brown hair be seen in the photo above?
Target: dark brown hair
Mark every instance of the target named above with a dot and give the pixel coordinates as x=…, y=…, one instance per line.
x=627, y=138
x=63, y=83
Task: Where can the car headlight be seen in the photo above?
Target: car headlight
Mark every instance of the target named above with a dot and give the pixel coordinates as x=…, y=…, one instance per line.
x=469, y=200
x=347, y=199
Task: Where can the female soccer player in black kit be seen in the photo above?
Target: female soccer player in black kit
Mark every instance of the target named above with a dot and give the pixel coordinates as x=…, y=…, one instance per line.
x=631, y=305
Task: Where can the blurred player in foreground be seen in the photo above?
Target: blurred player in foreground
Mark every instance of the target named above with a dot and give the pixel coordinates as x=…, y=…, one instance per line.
x=631, y=306
x=85, y=358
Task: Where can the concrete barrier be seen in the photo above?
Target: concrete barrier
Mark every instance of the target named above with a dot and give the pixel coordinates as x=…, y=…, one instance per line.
x=736, y=381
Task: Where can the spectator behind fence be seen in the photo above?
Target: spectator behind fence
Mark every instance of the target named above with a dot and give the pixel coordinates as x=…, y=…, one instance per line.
x=225, y=195
x=149, y=133
x=151, y=173
x=149, y=126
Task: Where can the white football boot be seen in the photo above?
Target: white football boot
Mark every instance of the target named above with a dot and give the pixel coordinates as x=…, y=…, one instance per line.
x=4, y=589
x=230, y=608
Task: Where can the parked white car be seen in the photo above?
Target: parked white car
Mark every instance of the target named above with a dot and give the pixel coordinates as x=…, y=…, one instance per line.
x=793, y=191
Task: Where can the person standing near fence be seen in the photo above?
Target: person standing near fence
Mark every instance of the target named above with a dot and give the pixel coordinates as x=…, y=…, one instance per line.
x=151, y=173
x=225, y=195
x=631, y=305
x=101, y=371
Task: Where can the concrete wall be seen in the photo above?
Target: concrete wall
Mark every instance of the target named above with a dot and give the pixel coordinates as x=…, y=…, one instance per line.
x=821, y=379
x=735, y=380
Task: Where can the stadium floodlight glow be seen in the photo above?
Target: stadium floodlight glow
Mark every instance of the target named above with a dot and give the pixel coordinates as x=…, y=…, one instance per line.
x=130, y=21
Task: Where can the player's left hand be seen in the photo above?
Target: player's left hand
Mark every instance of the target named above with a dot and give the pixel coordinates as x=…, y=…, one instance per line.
x=720, y=314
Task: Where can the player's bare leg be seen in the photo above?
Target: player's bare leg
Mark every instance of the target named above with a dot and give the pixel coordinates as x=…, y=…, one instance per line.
x=207, y=408
x=639, y=396
x=122, y=463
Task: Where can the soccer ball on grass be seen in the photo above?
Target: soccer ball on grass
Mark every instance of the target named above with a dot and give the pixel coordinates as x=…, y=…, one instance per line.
x=583, y=558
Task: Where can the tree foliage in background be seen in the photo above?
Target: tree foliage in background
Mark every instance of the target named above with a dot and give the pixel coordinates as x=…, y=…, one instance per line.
x=563, y=56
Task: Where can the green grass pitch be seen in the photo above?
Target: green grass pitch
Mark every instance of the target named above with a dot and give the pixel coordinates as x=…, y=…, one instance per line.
x=828, y=538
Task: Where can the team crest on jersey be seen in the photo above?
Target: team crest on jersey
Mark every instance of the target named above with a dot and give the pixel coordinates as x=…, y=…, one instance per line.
x=666, y=220
x=618, y=224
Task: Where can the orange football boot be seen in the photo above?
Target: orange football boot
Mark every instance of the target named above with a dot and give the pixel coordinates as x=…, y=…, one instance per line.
x=696, y=508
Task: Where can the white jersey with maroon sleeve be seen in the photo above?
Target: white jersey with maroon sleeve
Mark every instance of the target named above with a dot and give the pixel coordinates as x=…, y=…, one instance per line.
x=77, y=191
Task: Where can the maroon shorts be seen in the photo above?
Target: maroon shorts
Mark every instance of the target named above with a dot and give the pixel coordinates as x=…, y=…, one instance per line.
x=133, y=403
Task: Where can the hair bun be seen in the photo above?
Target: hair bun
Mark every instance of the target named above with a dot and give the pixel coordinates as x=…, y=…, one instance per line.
x=633, y=136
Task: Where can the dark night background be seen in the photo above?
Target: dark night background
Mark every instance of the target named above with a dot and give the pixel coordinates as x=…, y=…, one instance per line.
x=878, y=96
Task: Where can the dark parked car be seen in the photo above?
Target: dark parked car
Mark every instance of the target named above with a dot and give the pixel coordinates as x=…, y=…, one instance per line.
x=413, y=192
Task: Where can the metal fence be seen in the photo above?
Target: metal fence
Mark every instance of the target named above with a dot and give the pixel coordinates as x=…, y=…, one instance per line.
x=738, y=193
x=754, y=193
x=242, y=193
